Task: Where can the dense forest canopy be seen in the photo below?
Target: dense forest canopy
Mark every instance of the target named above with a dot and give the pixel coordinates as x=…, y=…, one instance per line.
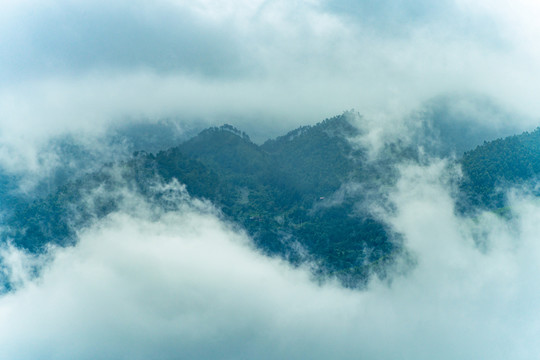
x=291, y=194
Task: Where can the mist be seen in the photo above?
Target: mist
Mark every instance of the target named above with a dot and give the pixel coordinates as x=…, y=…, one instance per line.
x=145, y=282
x=77, y=67
x=148, y=282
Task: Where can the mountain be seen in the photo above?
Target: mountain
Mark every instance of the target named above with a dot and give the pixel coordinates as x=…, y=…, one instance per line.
x=307, y=196
x=317, y=159
x=493, y=167
x=279, y=192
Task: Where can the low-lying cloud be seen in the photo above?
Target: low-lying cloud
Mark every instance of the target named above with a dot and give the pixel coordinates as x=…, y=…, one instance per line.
x=184, y=284
x=76, y=67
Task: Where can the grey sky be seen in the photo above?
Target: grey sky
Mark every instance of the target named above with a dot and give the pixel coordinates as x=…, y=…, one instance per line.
x=74, y=38
x=77, y=67
x=44, y=38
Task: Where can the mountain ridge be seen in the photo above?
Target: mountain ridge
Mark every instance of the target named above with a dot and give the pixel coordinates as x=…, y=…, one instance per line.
x=278, y=192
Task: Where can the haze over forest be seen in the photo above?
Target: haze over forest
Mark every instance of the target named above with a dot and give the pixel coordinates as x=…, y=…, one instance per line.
x=269, y=179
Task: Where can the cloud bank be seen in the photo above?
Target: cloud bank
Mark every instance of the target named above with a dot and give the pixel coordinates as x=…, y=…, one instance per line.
x=184, y=284
x=266, y=66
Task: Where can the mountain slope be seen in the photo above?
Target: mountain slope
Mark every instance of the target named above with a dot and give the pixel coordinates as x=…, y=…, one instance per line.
x=275, y=191
x=493, y=167
x=317, y=159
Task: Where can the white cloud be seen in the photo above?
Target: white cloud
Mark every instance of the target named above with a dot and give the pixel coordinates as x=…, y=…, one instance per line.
x=146, y=284
x=74, y=66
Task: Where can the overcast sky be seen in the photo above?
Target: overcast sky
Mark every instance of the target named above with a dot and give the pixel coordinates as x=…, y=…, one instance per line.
x=68, y=65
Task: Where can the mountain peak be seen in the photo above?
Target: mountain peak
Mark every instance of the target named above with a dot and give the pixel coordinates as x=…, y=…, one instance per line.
x=336, y=127
x=226, y=128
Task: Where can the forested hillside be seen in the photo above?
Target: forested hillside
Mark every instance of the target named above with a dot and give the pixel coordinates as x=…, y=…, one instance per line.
x=492, y=168
x=279, y=192
x=306, y=196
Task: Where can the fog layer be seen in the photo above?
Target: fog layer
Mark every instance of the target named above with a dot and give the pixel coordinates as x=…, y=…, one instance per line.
x=147, y=283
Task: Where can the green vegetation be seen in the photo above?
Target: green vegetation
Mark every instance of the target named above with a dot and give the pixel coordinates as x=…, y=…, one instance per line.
x=493, y=167
x=304, y=196
x=276, y=192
